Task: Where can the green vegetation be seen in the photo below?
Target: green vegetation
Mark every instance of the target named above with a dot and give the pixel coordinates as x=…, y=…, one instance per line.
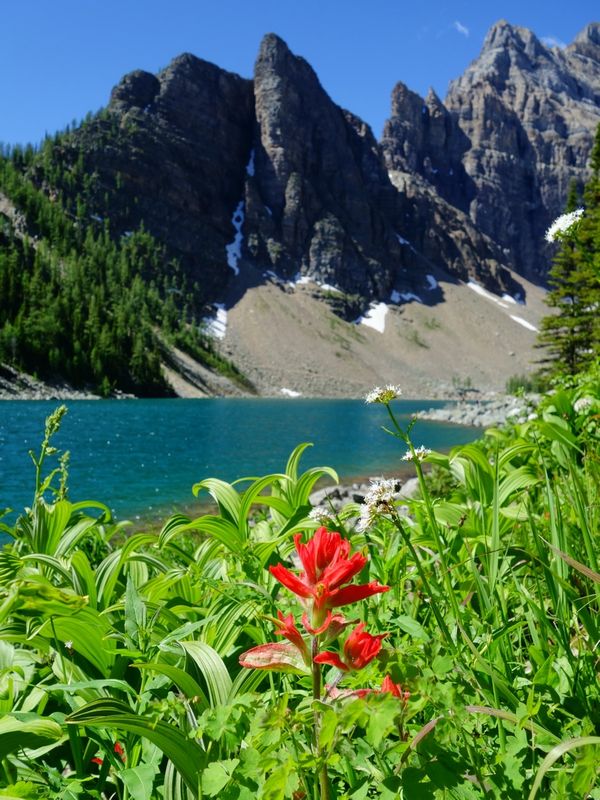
x=571, y=336
x=81, y=301
x=120, y=654
x=517, y=384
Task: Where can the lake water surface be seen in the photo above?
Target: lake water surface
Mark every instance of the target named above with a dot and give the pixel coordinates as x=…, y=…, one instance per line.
x=142, y=457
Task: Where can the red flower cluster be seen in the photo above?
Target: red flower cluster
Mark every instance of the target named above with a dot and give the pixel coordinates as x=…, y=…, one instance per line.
x=327, y=565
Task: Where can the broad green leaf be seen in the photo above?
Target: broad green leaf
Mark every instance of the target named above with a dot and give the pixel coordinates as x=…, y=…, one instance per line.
x=306, y=482
x=217, y=775
x=20, y=731
x=520, y=478
x=188, y=758
x=212, y=669
x=281, y=783
x=252, y=496
x=222, y=530
x=412, y=627
x=184, y=682
x=291, y=468
x=102, y=685
x=557, y=430
x=225, y=496
x=88, y=632
x=139, y=780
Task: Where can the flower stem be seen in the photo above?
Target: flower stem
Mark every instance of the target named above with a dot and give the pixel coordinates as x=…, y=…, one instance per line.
x=324, y=793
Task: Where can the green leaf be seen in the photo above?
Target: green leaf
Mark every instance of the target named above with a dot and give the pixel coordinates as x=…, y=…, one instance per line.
x=329, y=721
x=217, y=775
x=225, y=496
x=252, y=496
x=222, y=530
x=104, y=683
x=22, y=790
x=212, y=668
x=280, y=783
x=139, y=780
x=27, y=731
x=520, y=478
x=184, y=682
x=291, y=468
x=557, y=430
x=307, y=481
x=187, y=757
x=412, y=627
x=383, y=714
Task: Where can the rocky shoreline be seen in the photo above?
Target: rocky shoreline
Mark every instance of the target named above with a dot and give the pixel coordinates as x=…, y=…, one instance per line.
x=484, y=413
x=15, y=385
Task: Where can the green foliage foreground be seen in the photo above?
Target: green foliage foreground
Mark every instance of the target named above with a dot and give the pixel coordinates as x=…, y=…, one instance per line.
x=119, y=656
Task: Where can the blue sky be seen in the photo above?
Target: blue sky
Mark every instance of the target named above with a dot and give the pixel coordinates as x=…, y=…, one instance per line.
x=60, y=58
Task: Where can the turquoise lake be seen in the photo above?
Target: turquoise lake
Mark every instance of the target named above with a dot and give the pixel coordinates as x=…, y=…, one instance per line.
x=142, y=457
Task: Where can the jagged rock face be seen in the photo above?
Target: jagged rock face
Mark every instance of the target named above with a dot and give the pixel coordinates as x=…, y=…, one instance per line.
x=422, y=137
x=437, y=234
x=514, y=131
x=530, y=113
x=319, y=200
x=178, y=158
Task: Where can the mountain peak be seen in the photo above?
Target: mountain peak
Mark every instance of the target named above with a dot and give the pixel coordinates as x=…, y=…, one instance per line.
x=503, y=35
x=587, y=42
x=273, y=48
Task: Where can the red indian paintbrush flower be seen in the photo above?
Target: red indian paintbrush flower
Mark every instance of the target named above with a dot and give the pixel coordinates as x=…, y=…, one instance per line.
x=327, y=566
x=360, y=648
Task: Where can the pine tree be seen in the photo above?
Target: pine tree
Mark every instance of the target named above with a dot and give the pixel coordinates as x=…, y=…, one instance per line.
x=571, y=336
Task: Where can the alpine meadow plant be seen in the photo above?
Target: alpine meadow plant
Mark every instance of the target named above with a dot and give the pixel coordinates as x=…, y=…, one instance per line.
x=322, y=586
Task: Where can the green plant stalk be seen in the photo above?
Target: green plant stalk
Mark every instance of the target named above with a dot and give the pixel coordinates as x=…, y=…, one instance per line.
x=430, y=514
x=323, y=787
x=423, y=575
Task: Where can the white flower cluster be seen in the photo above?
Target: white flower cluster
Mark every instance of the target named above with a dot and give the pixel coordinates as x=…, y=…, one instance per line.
x=562, y=226
x=420, y=453
x=385, y=395
x=320, y=514
x=582, y=404
x=378, y=500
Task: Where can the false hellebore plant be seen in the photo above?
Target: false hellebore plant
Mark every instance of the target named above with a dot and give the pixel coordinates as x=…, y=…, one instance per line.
x=323, y=586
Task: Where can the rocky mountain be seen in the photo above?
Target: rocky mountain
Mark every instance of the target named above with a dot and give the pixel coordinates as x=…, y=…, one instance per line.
x=515, y=129
x=271, y=172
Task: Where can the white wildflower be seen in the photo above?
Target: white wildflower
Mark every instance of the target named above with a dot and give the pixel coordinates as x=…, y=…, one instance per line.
x=420, y=453
x=582, y=404
x=320, y=514
x=69, y=645
x=563, y=225
x=379, y=499
x=385, y=395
